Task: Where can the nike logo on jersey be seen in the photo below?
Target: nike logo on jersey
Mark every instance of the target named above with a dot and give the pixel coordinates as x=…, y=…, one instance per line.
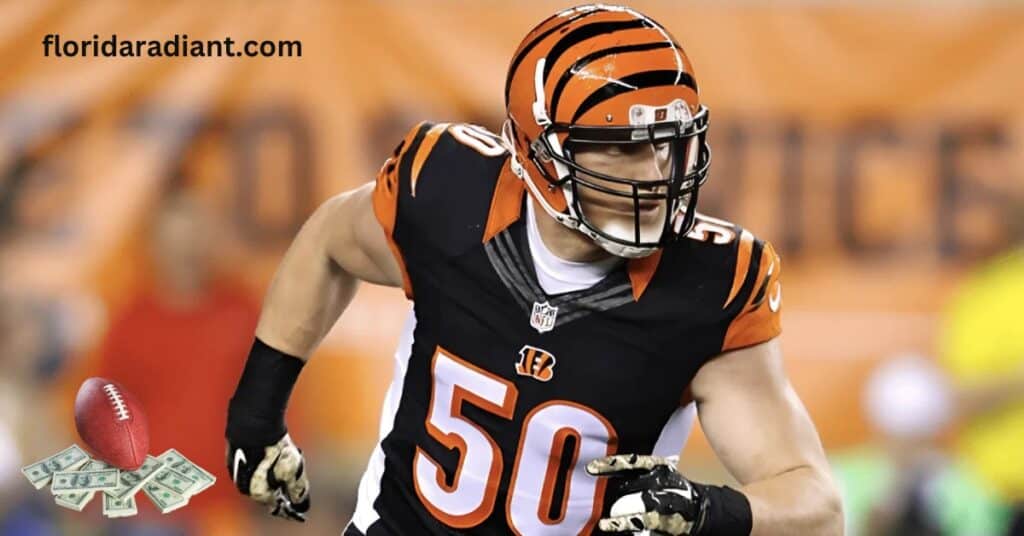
x=776, y=298
x=239, y=457
x=537, y=363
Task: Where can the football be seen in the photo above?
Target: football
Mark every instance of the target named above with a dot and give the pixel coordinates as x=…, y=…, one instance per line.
x=112, y=424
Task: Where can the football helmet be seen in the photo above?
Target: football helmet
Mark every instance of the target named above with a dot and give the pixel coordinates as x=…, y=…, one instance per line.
x=600, y=74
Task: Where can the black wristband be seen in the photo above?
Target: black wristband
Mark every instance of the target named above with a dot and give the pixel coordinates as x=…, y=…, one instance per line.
x=256, y=411
x=726, y=512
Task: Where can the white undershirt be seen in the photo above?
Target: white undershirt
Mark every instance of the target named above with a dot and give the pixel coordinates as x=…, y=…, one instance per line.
x=555, y=274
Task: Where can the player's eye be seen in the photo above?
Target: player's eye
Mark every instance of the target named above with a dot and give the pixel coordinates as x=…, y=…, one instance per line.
x=663, y=155
x=661, y=150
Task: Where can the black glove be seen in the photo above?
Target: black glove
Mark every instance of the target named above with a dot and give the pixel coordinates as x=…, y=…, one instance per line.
x=652, y=495
x=261, y=458
x=274, y=475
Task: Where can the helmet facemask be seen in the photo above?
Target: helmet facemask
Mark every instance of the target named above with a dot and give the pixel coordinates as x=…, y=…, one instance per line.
x=662, y=208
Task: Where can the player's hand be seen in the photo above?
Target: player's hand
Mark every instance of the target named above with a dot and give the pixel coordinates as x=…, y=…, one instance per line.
x=652, y=495
x=274, y=475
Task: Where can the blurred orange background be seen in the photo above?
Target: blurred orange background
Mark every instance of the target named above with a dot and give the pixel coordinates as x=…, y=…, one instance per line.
x=879, y=147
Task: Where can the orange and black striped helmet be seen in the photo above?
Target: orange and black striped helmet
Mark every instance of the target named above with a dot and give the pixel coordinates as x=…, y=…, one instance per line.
x=605, y=74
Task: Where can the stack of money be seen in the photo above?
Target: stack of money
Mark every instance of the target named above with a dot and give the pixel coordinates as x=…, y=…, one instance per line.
x=176, y=482
x=169, y=480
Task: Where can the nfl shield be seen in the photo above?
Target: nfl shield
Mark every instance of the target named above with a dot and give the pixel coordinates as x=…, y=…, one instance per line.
x=543, y=317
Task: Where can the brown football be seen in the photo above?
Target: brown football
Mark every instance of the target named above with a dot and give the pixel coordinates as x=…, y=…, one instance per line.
x=112, y=424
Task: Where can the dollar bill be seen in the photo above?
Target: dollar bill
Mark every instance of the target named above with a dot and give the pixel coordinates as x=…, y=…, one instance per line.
x=177, y=461
x=74, y=501
x=82, y=481
x=41, y=472
x=176, y=482
x=119, y=507
x=131, y=482
x=165, y=499
x=78, y=500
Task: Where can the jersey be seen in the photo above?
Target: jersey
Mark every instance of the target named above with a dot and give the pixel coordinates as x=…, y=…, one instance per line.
x=502, y=393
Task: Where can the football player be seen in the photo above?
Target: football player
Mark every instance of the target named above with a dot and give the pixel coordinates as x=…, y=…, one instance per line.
x=571, y=313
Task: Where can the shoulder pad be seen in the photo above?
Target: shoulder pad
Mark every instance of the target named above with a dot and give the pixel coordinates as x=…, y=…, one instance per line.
x=433, y=194
x=743, y=272
x=754, y=302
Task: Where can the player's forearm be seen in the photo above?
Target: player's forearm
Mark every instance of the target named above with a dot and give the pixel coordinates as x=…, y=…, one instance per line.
x=307, y=295
x=801, y=501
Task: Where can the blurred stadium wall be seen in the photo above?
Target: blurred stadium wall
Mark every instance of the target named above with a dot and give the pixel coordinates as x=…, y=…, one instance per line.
x=877, y=146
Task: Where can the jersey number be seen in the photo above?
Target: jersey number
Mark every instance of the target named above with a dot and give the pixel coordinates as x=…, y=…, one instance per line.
x=537, y=468
x=707, y=228
x=477, y=138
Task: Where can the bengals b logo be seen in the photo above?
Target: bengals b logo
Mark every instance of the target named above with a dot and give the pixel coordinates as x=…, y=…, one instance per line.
x=536, y=362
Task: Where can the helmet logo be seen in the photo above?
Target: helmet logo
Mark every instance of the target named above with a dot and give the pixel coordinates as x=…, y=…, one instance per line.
x=641, y=115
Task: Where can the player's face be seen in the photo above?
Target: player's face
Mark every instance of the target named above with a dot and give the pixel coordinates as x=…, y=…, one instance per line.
x=613, y=214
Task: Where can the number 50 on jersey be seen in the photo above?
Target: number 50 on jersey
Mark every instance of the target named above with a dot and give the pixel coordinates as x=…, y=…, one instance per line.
x=471, y=497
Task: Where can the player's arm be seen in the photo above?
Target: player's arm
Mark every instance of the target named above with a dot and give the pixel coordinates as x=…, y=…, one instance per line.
x=756, y=424
x=339, y=245
x=761, y=431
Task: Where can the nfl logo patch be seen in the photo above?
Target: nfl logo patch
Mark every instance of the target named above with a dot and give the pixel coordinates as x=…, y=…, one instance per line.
x=543, y=317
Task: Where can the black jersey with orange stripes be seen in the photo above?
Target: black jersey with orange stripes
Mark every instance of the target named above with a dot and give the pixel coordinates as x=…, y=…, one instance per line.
x=503, y=393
